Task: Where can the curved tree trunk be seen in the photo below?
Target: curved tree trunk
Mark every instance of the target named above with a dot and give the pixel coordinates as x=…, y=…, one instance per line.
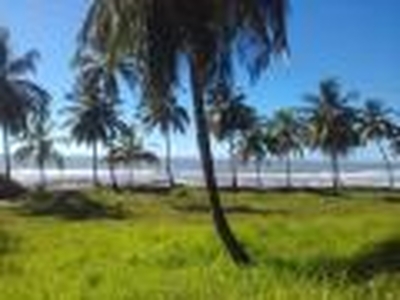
x=233, y=163
x=94, y=165
x=234, y=248
x=335, y=172
x=388, y=165
x=168, y=160
x=6, y=153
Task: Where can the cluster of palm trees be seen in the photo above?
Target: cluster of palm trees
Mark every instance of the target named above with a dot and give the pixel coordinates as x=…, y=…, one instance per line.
x=329, y=122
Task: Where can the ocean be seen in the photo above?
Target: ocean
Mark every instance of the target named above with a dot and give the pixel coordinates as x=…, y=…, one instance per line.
x=305, y=173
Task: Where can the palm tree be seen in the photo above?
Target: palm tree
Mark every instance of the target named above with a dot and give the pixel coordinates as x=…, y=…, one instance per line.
x=112, y=162
x=395, y=140
x=376, y=126
x=92, y=121
x=129, y=150
x=95, y=74
x=19, y=96
x=230, y=119
x=287, y=132
x=39, y=145
x=160, y=34
x=331, y=123
x=253, y=147
x=168, y=116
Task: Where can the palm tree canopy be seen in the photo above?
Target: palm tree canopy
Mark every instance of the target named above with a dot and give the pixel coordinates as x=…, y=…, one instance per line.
x=229, y=115
x=92, y=120
x=158, y=33
x=252, y=144
x=167, y=115
x=39, y=145
x=286, y=132
x=129, y=148
x=395, y=140
x=96, y=73
x=331, y=119
x=19, y=96
x=376, y=122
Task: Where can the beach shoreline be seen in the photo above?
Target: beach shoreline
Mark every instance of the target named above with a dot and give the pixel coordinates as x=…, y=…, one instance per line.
x=75, y=178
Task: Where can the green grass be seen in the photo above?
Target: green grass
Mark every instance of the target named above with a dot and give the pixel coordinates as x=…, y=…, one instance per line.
x=162, y=246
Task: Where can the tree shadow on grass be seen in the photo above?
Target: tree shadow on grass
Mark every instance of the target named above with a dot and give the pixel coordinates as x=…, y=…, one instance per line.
x=71, y=205
x=230, y=209
x=380, y=258
x=393, y=199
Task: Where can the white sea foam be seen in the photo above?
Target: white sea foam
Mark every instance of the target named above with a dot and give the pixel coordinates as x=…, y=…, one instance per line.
x=83, y=177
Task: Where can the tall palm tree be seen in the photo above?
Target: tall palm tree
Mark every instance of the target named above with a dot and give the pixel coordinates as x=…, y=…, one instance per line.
x=160, y=34
x=96, y=74
x=19, y=96
x=377, y=126
x=92, y=121
x=331, y=123
x=167, y=116
x=230, y=119
x=286, y=130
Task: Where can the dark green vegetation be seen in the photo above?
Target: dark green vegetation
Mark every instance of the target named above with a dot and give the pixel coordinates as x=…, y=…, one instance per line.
x=103, y=245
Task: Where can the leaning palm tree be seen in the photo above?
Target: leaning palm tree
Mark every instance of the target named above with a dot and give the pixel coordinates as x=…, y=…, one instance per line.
x=167, y=116
x=19, y=96
x=377, y=126
x=331, y=124
x=159, y=34
x=286, y=130
x=92, y=121
x=230, y=119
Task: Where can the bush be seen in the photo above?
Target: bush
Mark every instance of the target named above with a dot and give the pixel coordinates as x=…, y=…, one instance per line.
x=10, y=189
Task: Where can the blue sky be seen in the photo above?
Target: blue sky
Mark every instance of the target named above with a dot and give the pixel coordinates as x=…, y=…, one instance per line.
x=355, y=40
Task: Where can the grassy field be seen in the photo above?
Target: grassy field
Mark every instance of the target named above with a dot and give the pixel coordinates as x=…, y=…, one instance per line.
x=101, y=245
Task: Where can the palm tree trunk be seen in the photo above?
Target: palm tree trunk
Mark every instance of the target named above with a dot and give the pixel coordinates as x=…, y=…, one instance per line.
x=258, y=166
x=6, y=153
x=43, y=181
x=233, y=163
x=388, y=165
x=168, y=161
x=95, y=165
x=335, y=171
x=114, y=183
x=131, y=167
x=288, y=172
x=234, y=248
